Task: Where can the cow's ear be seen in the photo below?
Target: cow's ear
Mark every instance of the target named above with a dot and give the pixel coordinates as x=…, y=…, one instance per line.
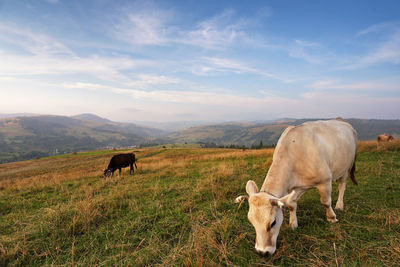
x=288, y=200
x=251, y=188
x=277, y=202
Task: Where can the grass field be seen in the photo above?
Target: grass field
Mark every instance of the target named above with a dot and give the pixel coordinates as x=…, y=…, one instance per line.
x=177, y=210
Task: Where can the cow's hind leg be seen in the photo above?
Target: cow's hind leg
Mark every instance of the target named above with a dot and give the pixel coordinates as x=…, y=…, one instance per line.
x=342, y=187
x=131, y=170
x=325, y=191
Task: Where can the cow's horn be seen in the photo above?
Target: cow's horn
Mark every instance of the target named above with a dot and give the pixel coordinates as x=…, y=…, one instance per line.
x=240, y=199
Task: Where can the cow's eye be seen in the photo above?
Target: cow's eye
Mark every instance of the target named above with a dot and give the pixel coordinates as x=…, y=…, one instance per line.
x=272, y=224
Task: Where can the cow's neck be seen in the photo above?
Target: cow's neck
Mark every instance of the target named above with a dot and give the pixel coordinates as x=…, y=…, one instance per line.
x=278, y=181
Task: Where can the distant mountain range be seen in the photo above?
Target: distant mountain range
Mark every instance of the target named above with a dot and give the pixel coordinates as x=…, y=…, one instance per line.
x=269, y=132
x=25, y=136
x=237, y=133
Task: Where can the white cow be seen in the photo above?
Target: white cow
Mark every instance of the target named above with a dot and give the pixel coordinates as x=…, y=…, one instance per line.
x=310, y=155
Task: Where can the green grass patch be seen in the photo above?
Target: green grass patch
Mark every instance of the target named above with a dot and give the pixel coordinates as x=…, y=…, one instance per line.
x=177, y=210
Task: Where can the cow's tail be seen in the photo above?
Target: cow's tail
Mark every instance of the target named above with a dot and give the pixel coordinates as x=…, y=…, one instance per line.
x=353, y=169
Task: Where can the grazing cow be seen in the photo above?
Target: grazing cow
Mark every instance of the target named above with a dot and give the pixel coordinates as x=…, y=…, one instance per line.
x=310, y=155
x=120, y=161
x=384, y=138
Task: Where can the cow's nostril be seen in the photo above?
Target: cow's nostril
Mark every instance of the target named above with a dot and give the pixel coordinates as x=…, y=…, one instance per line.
x=262, y=253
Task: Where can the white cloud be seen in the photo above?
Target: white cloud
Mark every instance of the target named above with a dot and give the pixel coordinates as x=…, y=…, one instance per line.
x=378, y=86
x=35, y=61
x=99, y=67
x=224, y=64
x=308, y=51
x=49, y=56
x=7, y=79
x=84, y=85
x=304, y=43
x=213, y=65
x=385, y=46
x=142, y=81
x=149, y=25
x=32, y=42
x=386, y=52
x=379, y=28
x=144, y=26
x=145, y=80
x=184, y=97
x=216, y=32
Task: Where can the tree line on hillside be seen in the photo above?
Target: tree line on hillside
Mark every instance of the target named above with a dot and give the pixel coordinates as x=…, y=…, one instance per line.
x=214, y=145
x=18, y=156
x=234, y=146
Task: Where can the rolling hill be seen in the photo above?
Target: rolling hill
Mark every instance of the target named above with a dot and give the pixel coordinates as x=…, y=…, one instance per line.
x=252, y=133
x=245, y=134
x=27, y=137
x=38, y=136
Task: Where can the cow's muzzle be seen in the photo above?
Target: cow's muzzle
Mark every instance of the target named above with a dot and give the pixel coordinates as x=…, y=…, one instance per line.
x=107, y=173
x=262, y=253
x=266, y=251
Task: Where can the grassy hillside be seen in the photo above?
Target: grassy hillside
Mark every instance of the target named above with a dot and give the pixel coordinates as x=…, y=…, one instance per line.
x=37, y=136
x=177, y=210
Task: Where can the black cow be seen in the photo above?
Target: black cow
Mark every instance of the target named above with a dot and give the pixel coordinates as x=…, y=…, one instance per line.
x=120, y=161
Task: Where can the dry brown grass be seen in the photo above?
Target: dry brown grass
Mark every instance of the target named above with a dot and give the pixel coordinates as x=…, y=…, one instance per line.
x=47, y=172
x=373, y=146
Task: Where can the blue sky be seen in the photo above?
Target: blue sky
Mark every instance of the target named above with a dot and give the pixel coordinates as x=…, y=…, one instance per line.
x=201, y=60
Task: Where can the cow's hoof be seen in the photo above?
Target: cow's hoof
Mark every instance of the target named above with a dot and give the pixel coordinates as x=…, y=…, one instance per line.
x=293, y=225
x=332, y=220
x=339, y=206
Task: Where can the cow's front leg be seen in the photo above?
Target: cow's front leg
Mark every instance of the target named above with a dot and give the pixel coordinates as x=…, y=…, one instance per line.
x=293, y=217
x=290, y=201
x=325, y=191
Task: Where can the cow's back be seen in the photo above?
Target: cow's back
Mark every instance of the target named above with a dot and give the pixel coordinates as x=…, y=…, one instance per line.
x=316, y=149
x=122, y=160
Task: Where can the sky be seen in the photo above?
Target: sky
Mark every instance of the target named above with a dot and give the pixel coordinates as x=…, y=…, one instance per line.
x=188, y=60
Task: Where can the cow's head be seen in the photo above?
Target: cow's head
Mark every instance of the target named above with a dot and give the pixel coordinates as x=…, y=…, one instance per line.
x=265, y=214
x=107, y=173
